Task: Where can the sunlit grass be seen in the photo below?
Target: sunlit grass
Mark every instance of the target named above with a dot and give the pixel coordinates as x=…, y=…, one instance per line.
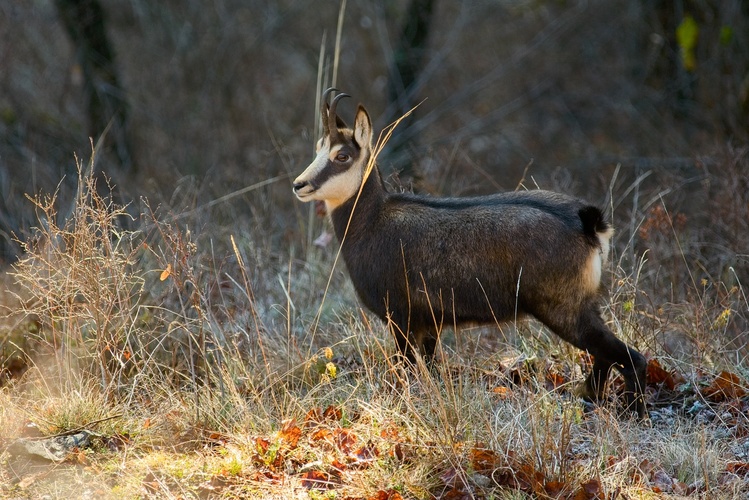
x=200, y=377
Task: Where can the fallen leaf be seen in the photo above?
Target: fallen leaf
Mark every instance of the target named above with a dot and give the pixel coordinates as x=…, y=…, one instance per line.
x=590, y=490
x=316, y=479
x=338, y=465
x=313, y=416
x=261, y=445
x=390, y=432
x=529, y=479
x=456, y=494
x=345, y=440
x=661, y=482
x=390, y=494
x=727, y=385
x=216, y=437
x=657, y=375
x=366, y=453
x=265, y=477
x=290, y=433
x=502, y=391
x=453, y=478
x=397, y=452
x=738, y=468
x=555, y=380
x=166, y=272
x=483, y=460
x=555, y=489
x=332, y=413
x=321, y=434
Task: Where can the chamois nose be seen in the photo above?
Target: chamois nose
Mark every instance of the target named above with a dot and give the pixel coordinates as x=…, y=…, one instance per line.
x=299, y=185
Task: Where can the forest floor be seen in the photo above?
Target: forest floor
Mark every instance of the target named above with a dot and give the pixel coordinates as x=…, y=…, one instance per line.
x=137, y=363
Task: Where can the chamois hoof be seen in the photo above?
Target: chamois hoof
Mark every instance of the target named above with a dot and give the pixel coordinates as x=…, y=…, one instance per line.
x=632, y=406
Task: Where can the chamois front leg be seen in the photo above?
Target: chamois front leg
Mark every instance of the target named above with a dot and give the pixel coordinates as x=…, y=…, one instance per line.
x=418, y=339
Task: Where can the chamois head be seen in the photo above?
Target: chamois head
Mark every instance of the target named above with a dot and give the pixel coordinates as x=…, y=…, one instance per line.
x=337, y=171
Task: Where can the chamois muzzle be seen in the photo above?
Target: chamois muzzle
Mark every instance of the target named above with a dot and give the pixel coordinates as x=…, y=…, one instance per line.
x=303, y=188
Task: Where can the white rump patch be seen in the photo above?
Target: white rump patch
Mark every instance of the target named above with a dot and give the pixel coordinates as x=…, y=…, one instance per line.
x=597, y=260
x=592, y=271
x=605, y=239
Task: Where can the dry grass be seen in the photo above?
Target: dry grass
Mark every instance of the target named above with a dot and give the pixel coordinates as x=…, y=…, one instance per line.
x=209, y=375
x=195, y=339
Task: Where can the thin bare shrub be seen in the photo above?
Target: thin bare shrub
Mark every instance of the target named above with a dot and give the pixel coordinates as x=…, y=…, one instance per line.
x=77, y=279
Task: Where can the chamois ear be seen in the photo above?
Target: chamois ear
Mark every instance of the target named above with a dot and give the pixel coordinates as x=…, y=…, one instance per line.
x=362, y=127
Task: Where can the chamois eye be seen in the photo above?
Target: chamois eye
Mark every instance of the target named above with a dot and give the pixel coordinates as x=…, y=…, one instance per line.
x=341, y=157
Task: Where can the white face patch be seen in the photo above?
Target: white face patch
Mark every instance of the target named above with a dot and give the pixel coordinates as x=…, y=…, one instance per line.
x=321, y=184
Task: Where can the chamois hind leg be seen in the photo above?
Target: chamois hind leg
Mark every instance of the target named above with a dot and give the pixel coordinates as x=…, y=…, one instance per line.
x=589, y=333
x=607, y=350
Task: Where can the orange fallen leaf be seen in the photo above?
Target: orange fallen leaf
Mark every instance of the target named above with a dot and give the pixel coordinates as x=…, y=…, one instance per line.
x=727, y=385
x=390, y=432
x=290, y=433
x=261, y=445
x=332, y=413
x=323, y=433
x=386, y=495
x=502, y=391
x=555, y=380
x=265, y=477
x=166, y=272
x=313, y=416
x=738, y=468
x=657, y=375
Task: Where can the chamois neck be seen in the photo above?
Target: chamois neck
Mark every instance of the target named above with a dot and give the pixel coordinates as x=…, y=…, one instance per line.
x=365, y=209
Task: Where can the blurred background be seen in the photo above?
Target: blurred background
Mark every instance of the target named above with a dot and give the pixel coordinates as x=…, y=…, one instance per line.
x=203, y=98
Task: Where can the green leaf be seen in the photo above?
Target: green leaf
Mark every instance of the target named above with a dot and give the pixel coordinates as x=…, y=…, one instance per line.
x=687, y=34
x=726, y=35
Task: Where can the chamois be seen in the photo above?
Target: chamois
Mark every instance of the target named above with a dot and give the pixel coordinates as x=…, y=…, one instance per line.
x=421, y=261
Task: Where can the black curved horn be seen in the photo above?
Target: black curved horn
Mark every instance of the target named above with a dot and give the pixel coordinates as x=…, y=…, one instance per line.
x=324, y=110
x=332, y=125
